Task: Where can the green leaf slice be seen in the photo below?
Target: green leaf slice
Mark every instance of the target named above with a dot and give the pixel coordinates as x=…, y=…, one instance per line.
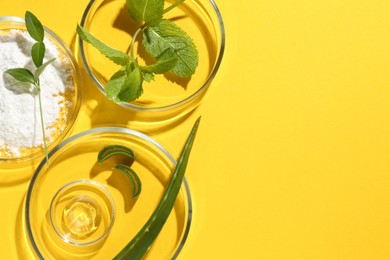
x=111, y=150
x=41, y=68
x=150, y=11
x=38, y=53
x=22, y=75
x=140, y=244
x=114, y=55
x=167, y=35
x=34, y=27
x=135, y=181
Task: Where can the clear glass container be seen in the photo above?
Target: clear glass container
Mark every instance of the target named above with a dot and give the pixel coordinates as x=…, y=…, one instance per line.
x=75, y=159
x=82, y=212
x=73, y=97
x=168, y=97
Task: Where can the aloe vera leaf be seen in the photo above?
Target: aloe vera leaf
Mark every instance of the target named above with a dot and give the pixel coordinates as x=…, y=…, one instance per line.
x=140, y=244
x=111, y=150
x=135, y=181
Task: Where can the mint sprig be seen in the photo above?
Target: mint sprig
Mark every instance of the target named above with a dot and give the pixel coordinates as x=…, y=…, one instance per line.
x=36, y=31
x=171, y=47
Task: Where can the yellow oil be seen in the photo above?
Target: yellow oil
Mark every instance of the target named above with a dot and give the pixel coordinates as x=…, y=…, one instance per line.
x=82, y=218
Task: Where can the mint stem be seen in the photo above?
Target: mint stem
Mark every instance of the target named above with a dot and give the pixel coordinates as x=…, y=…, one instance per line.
x=42, y=123
x=134, y=39
x=173, y=6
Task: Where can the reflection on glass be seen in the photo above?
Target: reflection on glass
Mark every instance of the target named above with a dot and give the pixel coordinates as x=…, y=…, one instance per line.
x=82, y=212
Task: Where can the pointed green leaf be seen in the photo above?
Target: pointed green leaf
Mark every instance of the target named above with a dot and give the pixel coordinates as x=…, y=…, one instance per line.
x=34, y=27
x=167, y=35
x=41, y=68
x=162, y=65
x=38, y=53
x=132, y=86
x=112, y=150
x=140, y=244
x=114, y=55
x=135, y=181
x=150, y=11
x=22, y=75
x=114, y=85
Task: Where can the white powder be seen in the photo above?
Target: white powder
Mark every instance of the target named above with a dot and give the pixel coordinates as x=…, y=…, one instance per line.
x=20, y=125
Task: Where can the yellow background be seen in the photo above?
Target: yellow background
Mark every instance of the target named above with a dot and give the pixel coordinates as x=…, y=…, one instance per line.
x=291, y=158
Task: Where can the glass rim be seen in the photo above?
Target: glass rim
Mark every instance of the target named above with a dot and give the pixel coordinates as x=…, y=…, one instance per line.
x=77, y=75
x=96, y=130
x=178, y=104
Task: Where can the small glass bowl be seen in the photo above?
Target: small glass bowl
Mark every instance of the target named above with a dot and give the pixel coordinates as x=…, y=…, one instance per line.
x=167, y=97
x=82, y=212
x=75, y=159
x=74, y=96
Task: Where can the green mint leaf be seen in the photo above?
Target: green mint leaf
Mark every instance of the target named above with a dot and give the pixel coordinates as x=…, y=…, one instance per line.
x=132, y=86
x=114, y=85
x=162, y=65
x=135, y=181
x=167, y=35
x=148, y=76
x=150, y=11
x=114, y=55
x=22, y=75
x=34, y=27
x=125, y=85
x=38, y=53
x=41, y=68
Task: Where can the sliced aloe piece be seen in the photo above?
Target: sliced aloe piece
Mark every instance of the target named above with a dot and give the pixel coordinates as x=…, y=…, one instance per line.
x=111, y=150
x=136, y=185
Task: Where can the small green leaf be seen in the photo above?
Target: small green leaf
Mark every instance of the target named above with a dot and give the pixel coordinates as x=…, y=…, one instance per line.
x=132, y=86
x=141, y=243
x=114, y=55
x=135, y=181
x=111, y=150
x=22, y=75
x=162, y=65
x=114, y=85
x=167, y=35
x=34, y=27
x=38, y=53
x=41, y=68
x=148, y=76
x=150, y=11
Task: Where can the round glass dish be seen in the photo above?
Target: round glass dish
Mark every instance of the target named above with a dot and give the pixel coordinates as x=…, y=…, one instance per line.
x=76, y=158
x=68, y=100
x=167, y=96
x=82, y=212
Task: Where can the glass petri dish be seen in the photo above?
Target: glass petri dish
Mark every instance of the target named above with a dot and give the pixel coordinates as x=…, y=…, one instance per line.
x=76, y=158
x=68, y=105
x=167, y=97
x=82, y=212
